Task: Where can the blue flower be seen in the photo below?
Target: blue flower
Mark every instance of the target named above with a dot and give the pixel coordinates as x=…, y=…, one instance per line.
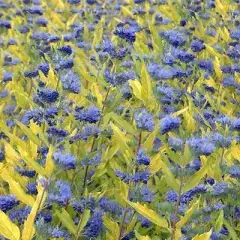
x=219, y=140
x=59, y=233
x=94, y=225
x=32, y=188
x=144, y=222
x=4, y=94
x=2, y=156
x=235, y=34
x=161, y=73
x=65, y=64
x=88, y=131
x=142, y=158
x=31, y=74
x=71, y=82
x=47, y=217
x=56, y=133
x=144, y=120
x=8, y=202
x=235, y=171
x=91, y=114
x=47, y=95
x=175, y=143
x=62, y=193
x=66, y=49
x=147, y=194
x=128, y=34
x=19, y=215
x=26, y=173
x=197, y=45
x=171, y=196
x=35, y=114
x=195, y=164
x=33, y=10
x=236, y=124
x=5, y=24
x=169, y=123
x=108, y=47
x=7, y=77
x=84, y=203
x=123, y=176
x=109, y=206
x=201, y=146
x=220, y=188
x=141, y=176
x=44, y=67
x=174, y=37
x=41, y=21
x=183, y=55
x=66, y=161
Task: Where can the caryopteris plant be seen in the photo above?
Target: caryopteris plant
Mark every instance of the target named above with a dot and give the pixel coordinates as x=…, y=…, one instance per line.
x=119, y=119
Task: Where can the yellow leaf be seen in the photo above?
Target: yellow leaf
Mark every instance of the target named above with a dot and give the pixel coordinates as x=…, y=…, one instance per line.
x=11, y=154
x=146, y=84
x=16, y=189
x=97, y=94
x=204, y=236
x=187, y=215
x=149, y=214
x=137, y=88
x=49, y=167
x=212, y=51
x=171, y=181
x=140, y=237
x=127, y=12
x=112, y=227
x=8, y=229
x=180, y=112
x=217, y=68
x=196, y=177
x=31, y=136
x=67, y=221
x=29, y=229
x=56, y=19
x=120, y=138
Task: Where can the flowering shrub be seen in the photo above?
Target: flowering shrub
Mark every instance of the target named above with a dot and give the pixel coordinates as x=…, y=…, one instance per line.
x=119, y=119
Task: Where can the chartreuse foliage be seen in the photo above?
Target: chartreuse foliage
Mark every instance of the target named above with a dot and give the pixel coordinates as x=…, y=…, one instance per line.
x=119, y=119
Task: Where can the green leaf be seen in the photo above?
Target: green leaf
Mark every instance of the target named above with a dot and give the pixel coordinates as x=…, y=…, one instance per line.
x=196, y=178
x=84, y=219
x=149, y=214
x=171, y=181
x=140, y=237
x=146, y=83
x=187, y=215
x=219, y=221
x=112, y=227
x=29, y=133
x=180, y=112
x=120, y=138
x=8, y=229
x=204, y=236
x=137, y=88
x=232, y=232
x=186, y=158
x=123, y=123
x=66, y=220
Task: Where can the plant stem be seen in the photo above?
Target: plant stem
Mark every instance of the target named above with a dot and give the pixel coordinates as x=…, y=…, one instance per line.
x=94, y=140
x=125, y=210
x=177, y=206
x=122, y=223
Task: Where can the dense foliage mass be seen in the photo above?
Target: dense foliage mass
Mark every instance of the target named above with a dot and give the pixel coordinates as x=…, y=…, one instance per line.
x=119, y=119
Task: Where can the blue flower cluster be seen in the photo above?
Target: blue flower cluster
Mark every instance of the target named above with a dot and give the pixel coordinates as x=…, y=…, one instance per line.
x=119, y=108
